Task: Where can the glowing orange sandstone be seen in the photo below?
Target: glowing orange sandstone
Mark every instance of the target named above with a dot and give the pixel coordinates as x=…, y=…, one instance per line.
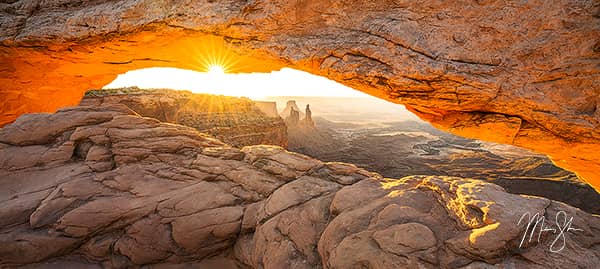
x=44, y=78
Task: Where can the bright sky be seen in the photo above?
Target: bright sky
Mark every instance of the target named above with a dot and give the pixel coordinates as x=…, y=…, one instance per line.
x=286, y=82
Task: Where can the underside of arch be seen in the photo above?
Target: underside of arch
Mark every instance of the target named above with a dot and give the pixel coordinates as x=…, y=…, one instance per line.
x=526, y=74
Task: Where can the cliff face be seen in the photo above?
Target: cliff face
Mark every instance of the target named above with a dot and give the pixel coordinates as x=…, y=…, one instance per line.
x=522, y=73
x=237, y=121
x=99, y=185
x=269, y=108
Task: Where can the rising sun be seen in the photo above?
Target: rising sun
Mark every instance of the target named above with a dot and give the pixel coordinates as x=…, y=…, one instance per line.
x=215, y=69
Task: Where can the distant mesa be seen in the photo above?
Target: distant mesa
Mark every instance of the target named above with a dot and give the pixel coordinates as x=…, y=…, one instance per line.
x=291, y=104
x=267, y=107
x=291, y=113
x=236, y=121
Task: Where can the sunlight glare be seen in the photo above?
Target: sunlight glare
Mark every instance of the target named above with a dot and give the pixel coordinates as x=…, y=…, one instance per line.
x=215, y=69
x=285, y=82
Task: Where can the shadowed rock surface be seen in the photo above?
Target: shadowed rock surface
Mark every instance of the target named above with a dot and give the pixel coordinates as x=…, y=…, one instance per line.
x=236, y=121
x=100, y=186
x=517, y=72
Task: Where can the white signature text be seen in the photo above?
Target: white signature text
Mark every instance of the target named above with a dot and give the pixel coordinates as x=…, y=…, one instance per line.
x=563, y=225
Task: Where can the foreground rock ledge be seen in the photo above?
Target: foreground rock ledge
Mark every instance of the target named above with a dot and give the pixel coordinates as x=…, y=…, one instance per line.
x=104, y=187
x=522, y=73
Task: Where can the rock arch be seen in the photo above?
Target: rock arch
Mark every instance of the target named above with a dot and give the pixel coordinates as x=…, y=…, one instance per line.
x=526, y=74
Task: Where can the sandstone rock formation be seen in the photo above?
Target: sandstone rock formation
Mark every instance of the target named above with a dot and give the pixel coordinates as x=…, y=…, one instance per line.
x=290, y=106
x=236, y=121
x=99, y=185
x=293, y=119
x=308, y=120
x=269, y=108
x=515, y=73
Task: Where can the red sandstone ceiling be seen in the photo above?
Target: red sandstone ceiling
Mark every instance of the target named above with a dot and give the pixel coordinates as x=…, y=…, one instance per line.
x=526, y=74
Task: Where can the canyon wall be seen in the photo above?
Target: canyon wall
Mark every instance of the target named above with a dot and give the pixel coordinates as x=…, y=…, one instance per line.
x=236, y=121
x=515, y=72
x=269, y=108
x=101, y=187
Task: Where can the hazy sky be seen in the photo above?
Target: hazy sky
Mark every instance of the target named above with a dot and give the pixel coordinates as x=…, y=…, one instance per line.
x=287, y=82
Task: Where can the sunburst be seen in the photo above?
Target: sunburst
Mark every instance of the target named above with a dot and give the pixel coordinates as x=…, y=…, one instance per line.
x=213, y=55
x=215, y=70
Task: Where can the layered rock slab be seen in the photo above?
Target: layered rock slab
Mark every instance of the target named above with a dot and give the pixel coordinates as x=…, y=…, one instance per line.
x=123, y=191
